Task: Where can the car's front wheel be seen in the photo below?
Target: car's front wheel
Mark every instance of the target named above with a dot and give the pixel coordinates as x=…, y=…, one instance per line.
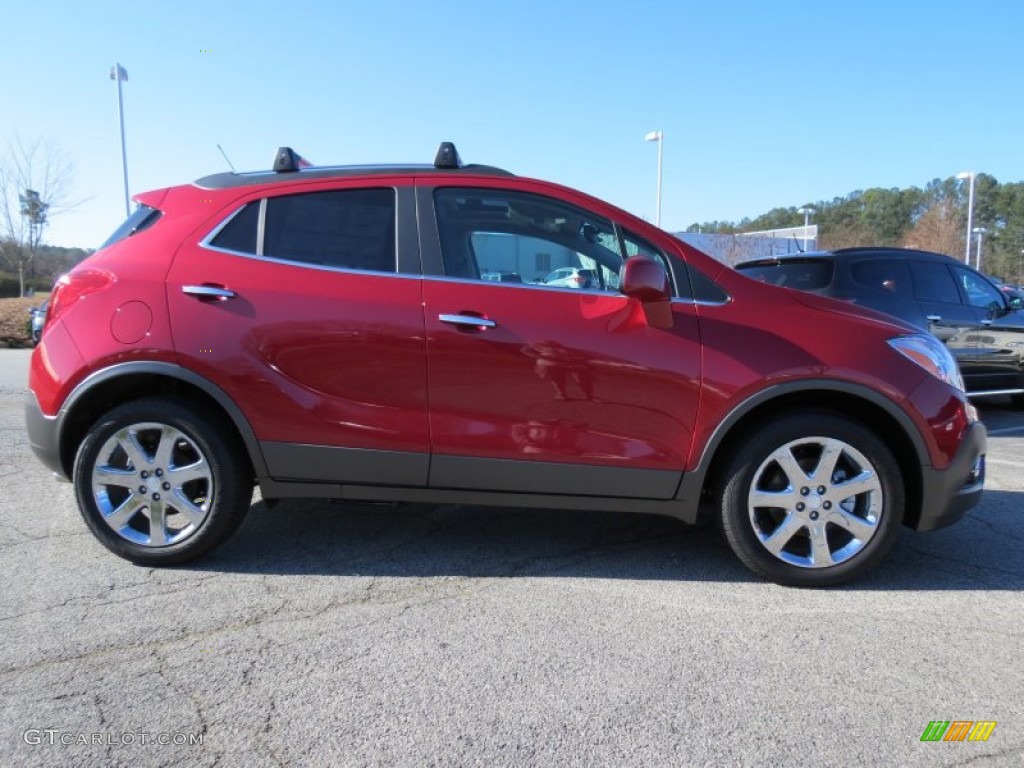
x=811, y=499
x=161, y=482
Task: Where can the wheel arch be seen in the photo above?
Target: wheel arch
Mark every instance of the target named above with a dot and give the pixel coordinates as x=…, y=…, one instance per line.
x=120, y=383
x=876, y=412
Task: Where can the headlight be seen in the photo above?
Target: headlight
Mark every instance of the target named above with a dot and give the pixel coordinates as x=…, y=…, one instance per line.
x=932, y=355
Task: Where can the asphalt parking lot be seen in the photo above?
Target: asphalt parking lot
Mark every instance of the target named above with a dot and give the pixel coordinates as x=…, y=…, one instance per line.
x=328, y=634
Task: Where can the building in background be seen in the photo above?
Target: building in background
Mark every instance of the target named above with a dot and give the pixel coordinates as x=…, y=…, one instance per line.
x=753, y=245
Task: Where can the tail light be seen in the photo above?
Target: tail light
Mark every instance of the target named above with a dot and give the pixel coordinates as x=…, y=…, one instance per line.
x=75, y=286
x=577, y=279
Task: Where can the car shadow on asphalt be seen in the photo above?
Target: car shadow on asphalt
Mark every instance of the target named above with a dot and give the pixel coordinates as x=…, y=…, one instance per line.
x=985, y=551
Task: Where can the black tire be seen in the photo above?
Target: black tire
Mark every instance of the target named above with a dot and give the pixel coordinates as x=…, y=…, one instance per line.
x=194, y=473
x=814, y=530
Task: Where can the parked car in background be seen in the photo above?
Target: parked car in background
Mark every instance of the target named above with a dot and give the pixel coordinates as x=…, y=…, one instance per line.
x=1012, y=291
x=982, y=325
x=327, y=332
x=37, y=320
x=572, y=277
x=501, y=277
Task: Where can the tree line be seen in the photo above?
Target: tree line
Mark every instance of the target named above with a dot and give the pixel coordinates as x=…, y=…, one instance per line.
x=932, y=219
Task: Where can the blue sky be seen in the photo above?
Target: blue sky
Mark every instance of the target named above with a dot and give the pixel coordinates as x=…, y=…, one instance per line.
x=761, y=104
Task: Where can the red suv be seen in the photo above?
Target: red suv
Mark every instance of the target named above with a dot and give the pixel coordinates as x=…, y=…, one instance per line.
x=328, y=332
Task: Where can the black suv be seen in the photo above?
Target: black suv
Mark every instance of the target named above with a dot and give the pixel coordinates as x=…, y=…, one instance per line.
x=980, y=324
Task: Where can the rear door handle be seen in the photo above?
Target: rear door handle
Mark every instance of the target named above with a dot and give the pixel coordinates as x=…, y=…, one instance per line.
x=472, y=321
x=987, y=322
x=208, y=292
x=934, y=318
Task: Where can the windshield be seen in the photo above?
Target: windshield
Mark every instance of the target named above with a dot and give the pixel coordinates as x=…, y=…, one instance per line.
x=804, y=274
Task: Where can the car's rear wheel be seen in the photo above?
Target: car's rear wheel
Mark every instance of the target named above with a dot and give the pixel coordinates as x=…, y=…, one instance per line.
x=161, y=482
x=811, y=499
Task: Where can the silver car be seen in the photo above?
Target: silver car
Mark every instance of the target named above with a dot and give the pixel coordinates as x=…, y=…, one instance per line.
x=38, y=320
x=572, y=277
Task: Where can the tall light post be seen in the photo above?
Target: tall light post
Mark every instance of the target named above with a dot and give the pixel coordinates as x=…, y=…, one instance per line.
x=980, y=232
x=806, y=211
x=970, y=214
x=118, y=73
x=659, y=137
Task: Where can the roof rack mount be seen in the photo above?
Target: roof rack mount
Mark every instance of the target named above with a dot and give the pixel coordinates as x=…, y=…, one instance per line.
x=447, y=156
x=287, y=160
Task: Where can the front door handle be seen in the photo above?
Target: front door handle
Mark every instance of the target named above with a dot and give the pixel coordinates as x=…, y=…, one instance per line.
x=934, y=318
x=207, y=292
x=468, y=321
x=987, y=322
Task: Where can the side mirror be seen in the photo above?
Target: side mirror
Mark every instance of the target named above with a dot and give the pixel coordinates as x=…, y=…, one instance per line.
x=645, y=280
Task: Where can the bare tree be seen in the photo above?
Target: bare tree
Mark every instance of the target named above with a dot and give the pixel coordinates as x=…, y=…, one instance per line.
x=35, y=183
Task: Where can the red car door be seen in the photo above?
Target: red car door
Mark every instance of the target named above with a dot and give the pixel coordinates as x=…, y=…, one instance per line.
x=548, y=389
x=307, y=310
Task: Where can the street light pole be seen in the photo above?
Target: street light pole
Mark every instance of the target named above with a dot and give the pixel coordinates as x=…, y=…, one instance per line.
x=117, y=72
x=659, y=137
x=980, y=232
x=970, y=214
x=806, y=211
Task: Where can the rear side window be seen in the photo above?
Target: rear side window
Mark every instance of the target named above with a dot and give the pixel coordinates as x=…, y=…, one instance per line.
x=933, y=282
x=803, y=274
x=346, y=228
x=886, y=277
x=142, y=218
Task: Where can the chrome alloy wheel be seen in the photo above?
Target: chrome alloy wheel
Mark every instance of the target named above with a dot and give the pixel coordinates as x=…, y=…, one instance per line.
x=152, y=484
x=815, y=502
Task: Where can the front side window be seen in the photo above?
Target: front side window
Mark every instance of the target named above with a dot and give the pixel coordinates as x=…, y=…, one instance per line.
x=512, y=237
x=933, y=282
x=979, y=292
x=343, y=229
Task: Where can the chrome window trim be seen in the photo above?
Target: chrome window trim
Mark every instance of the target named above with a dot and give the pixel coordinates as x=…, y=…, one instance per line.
x=495, y=284
x=703, y=302
x=207, y=244
x=307, y=265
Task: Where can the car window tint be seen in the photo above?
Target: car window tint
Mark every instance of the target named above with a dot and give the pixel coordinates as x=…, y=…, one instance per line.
x=345, y=228
x=705, y=289
x=803, y=274
x=885, y=277
x=487, y=232
x=637, y=245
x=239, y=233
x=934, y=282
x=141, y=218
x=979, y=291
